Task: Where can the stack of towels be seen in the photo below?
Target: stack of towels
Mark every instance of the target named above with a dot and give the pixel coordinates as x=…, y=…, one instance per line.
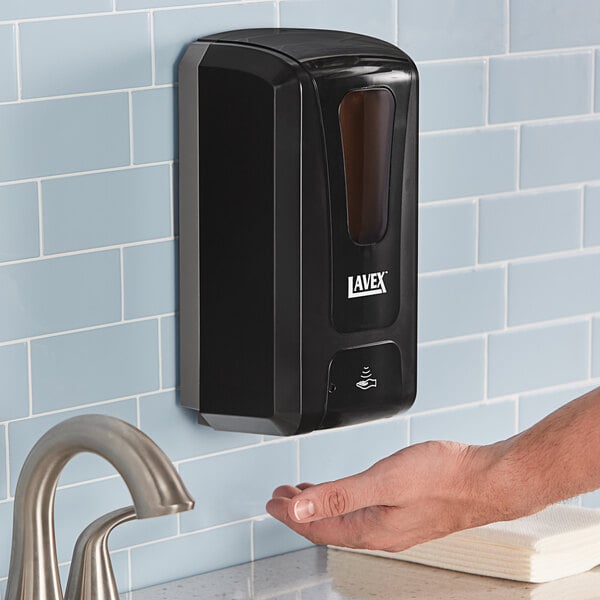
x=558, y=542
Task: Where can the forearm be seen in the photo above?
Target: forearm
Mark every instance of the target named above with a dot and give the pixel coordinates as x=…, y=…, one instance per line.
x=556, y=459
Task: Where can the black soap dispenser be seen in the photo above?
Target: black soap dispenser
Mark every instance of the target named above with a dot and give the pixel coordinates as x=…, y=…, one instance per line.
x=298, y=229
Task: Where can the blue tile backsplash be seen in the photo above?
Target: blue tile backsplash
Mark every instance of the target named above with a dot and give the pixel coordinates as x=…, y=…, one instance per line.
x=509, y=302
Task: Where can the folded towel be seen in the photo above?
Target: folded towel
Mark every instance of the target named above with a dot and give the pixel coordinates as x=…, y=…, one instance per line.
x=558, y=542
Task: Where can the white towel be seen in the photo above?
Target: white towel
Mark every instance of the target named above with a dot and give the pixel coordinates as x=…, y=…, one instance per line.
x=558, y=542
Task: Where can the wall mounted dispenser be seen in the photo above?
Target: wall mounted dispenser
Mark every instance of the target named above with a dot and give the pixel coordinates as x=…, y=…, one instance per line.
x=298, y=229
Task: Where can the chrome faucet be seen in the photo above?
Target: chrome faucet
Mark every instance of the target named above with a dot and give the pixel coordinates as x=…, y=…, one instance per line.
x=153, y=482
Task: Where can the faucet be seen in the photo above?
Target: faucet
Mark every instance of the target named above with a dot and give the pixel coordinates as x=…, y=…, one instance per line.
x=153, y=482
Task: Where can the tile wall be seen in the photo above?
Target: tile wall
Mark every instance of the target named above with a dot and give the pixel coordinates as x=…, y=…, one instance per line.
x=510, y=249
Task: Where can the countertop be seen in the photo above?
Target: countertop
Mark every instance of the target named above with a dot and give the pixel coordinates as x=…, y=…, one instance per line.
x=326, y=574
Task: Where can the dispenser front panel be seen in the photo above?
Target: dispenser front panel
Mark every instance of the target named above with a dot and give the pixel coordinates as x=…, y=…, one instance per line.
x=364, y=106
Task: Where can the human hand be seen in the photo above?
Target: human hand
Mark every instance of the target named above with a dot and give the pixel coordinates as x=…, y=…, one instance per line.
x=421, y=493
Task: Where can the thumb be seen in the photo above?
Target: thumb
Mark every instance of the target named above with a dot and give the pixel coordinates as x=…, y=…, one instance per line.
x=333, y=499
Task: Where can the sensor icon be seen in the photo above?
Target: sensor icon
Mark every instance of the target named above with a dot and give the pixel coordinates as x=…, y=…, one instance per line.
x=367, y=380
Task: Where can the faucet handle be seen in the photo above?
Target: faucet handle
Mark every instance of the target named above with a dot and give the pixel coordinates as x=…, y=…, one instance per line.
x=91, y=575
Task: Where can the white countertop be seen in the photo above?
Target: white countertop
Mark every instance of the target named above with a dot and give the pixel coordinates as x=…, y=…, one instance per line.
x=321, y=574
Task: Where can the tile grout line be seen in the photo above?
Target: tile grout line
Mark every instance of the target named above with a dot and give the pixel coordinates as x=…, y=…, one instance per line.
x=582, y=218
x=507, y=30
x=122, y=283
x=477, y=229
x=172, y=198
x=130, y=116
x=7, y=462
x=591, y=348
x=397, y=22
x=29, y=379
x=487, y=97
x=40, y=219
x=115, y=169
x=84, y=251
x=519, y=141
x=18, y=61
x=44, y=336
x=129, y=571
x=152, y=49
x=160, y=357
x=109, y=92
x=593, y=86
x=506, y=326
x=111, y=13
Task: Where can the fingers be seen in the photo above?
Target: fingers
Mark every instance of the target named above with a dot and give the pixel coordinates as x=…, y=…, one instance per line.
x=333, y=499
x=360, y=529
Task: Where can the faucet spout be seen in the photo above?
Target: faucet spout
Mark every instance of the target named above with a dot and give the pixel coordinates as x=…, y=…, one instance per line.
x=154, y=484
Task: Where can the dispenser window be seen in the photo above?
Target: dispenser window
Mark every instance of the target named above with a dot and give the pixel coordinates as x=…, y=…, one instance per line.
x=367, y=123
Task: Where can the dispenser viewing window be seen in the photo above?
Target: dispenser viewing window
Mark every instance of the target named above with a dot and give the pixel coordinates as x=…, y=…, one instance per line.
x=298, y=229
x=367, y=123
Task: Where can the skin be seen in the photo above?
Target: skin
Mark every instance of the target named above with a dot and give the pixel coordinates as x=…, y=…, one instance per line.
x=430, y=490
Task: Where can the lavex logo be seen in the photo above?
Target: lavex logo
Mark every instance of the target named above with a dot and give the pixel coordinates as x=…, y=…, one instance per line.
x=369, y=284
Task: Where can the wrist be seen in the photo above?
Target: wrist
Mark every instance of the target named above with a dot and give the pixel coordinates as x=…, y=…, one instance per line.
x=507, y=485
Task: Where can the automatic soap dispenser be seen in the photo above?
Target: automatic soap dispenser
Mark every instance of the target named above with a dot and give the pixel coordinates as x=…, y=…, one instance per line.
x=298, y=229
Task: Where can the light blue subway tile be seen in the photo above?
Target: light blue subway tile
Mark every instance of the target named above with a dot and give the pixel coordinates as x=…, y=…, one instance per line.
x=14, y=390
x=450, y=374
x=25, y=433
x=169, y=351
x=19, y=225
x=482, y=424
x=77, y=506
x=63, y=136
x=553, y=288
x=190, y=555
x=272, y=538
x=374, y=18
x=560, y=153
x=184, y=437
x=236, y=485
x=596, y=348
x=92, y=366
x=460, y=304
x=429, y=29
x=154, y=125
x=592, y=217
x=519, y=225
x=8, y=63
x=470, y=163
x=59, y=294
x=6, y=509
x=3, y=474
x=447, y=236
x=591, y=500
x=334, y=454
x=69, y=56
x=534, y=407
x=538, y=25
x=103, y=209
x=537, y=87
x=451, y=95
x=18, y=9
x=536, y=358
x=174, y=30
x=149, y=274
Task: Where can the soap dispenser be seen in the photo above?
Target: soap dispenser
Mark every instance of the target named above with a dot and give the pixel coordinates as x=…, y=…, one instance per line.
x=298, y=229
